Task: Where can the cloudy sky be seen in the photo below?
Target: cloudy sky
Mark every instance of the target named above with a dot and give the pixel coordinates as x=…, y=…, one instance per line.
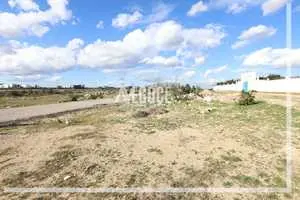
x=94, y=42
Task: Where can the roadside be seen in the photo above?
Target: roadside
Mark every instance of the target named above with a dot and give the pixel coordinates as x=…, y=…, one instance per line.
x=13, y=115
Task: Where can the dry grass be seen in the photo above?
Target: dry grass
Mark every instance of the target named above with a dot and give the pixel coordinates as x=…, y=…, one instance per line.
x=28, y=97
x=190, y=144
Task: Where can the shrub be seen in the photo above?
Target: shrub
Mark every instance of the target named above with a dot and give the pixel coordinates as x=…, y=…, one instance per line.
x=247, y=98
x=96, y=95
x=141, y=114
x=179, y=93
x=93, y=96
x=75, y=98
x=184, y=92
x=15, y=93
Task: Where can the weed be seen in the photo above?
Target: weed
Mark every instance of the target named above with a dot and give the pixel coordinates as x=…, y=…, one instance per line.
x=247, y=98
x=227, y=184
x=247, y=180
x=231, y=158
x=156, y=150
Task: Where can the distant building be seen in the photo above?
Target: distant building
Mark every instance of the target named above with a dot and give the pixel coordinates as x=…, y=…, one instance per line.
x=78, y=86
x=250, y=81
x=16, y=85
x=26, y=86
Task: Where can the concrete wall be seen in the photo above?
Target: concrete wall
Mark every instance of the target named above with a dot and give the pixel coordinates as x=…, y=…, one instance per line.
x=284, y=85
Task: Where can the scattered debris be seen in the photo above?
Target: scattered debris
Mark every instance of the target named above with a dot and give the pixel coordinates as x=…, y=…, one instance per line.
x=67, y=177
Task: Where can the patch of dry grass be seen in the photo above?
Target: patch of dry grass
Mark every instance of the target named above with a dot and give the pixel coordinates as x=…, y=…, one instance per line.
x=193, y=144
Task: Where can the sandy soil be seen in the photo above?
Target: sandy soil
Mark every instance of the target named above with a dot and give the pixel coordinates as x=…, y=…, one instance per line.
x=184, y=145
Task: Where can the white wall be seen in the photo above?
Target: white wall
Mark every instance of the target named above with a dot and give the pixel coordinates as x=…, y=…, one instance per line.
x=283, y=85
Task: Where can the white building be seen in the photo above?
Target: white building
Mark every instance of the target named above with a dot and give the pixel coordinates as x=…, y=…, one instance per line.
x=281, y=85
x=3, y=85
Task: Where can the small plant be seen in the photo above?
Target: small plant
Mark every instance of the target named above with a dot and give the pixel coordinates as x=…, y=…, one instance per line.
x=93, y=96
x=75, y=97
x=17, y=93
x=141, y=114
x=98, y=95
x=247, y=98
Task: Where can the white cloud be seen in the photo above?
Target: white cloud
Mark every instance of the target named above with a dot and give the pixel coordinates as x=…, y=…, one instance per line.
x=189, y=74
x=37, y=77
x=208, y=37
x=25, y=5
x=75, y=44
x=297, y=8
x=235, y=8
x=33, y=77
x=138, y=45
x=252, y=34
x=100, y=24
x=240, y=44
x=165, y=36
x=215, y=71
x=162, y=61
x=257, y=32
x=273, y=57
x=23, y=59
x=116, y=54
x=197, y=8
x=191, y=57
x=271, y=6
x=33, y=21
x=237, y=3
x=54, y=78
x=159, y=13
x=232, y=6
x=75, y=21
x=238, y=6
x=123, y=20
x=199, y=60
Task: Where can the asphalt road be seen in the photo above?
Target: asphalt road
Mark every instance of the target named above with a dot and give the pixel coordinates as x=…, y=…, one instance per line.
x=11, y=115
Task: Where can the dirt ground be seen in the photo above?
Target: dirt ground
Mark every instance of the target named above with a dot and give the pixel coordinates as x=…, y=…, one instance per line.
x=11, y=98
x=182, y=144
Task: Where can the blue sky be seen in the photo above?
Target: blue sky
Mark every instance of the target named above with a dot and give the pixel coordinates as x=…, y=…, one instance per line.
x=92, y=42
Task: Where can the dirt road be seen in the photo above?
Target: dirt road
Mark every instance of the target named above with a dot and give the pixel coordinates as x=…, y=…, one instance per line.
x=10, y=115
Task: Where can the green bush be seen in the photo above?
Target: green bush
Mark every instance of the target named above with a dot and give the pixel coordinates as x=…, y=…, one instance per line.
x=15, y=93
x=141, y=114
x=93, y=96
x=182, y=92
x=75, y=97
x=98, y=95
x=247, y=98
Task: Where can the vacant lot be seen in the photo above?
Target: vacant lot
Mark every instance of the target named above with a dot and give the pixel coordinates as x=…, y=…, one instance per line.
x=27, y=97
x=183, y=144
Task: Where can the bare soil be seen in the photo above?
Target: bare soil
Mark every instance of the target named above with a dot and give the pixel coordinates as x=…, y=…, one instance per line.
x=183, y=144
